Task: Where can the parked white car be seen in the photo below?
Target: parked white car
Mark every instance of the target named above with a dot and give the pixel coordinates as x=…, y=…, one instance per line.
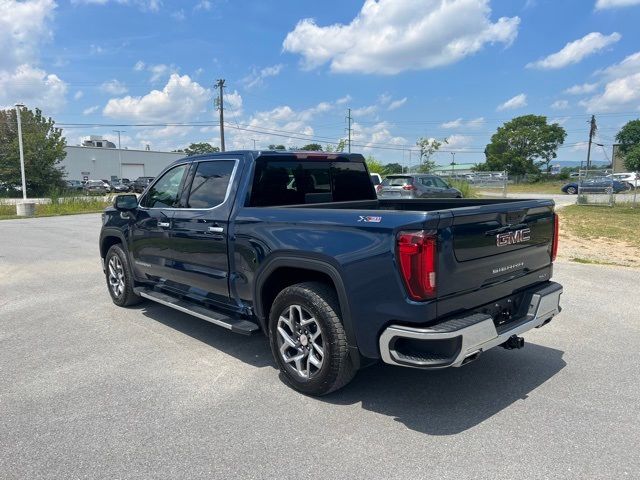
x=632, y=178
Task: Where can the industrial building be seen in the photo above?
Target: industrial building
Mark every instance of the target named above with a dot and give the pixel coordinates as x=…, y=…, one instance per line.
x=98, y=158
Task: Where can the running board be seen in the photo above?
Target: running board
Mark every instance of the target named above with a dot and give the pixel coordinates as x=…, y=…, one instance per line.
x=236, y=325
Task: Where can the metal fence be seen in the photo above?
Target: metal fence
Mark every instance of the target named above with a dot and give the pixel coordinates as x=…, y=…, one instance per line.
x=596, y=187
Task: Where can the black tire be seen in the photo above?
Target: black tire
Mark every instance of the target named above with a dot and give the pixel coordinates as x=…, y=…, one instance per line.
x=572, y=190
x=124, y=296
x=320, y=301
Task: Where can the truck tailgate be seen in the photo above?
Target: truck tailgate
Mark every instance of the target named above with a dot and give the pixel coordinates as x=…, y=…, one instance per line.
x=494, y=244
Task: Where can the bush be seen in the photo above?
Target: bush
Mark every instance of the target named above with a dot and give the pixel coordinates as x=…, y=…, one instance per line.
x=465, y=188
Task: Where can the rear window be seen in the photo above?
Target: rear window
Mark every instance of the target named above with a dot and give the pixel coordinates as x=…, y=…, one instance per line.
x=397, y=181
x=297, y=182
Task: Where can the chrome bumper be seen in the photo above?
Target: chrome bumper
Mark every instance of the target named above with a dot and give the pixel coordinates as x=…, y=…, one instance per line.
x=455, y=342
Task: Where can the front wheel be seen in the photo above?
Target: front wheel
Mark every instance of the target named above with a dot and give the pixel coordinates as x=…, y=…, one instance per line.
x=572, y=190
x=119, y=277
x=308, y=339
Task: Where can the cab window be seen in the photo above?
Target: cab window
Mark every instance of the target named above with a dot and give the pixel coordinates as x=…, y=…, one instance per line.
x=166, y=191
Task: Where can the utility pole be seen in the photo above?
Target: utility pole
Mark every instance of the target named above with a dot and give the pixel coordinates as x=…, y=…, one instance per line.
x=119, y=153
x=453, y=163
x=24, y=179
x=592, y=131
x=220, y=105
x=349, y=129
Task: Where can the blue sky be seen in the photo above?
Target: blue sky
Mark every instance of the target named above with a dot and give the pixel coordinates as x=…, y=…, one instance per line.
x=453, y=69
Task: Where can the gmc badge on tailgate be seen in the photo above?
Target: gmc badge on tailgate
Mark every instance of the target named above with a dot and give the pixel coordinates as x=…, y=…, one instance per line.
x=511, y=238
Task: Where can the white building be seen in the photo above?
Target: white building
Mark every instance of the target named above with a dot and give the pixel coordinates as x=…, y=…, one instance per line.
x=105, y=161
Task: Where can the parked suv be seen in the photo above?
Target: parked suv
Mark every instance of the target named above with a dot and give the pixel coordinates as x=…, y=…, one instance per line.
x=416, y=186
x=141, y=183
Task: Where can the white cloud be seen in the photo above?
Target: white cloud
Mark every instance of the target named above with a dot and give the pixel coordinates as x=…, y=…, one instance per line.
x=90, y=110
x=368, y=138
x=139, y=66
x=203, y=5
x=23, y=27
x=343, y=100
x=256, y=77
x=459, y=123
x=364, y=111
x=78, y=95
x=576, y=51
x=560, y=105
x=114, y=87
x=620, y=93
x=397, y=104
x=158, y=72
x=179, y=15
x=457, y=142
x=233, y=103
x=581, y=89
x=518, y=101
x=622, y=87
x=391, y=36
x=33, y=87
x=628, y=66
x=604, y=4
x=181, y=99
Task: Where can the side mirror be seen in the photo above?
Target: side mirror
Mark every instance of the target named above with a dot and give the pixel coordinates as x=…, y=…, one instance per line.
x=126, y=202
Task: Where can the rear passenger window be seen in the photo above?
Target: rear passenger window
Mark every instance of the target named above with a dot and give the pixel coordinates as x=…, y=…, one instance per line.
x=305, y=182
x=210, y=183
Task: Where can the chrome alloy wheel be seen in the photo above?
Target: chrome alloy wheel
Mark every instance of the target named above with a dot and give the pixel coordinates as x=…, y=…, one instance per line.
x=116, y=275
x=300, y=341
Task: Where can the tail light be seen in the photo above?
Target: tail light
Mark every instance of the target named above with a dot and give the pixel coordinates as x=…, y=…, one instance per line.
x=379, y=188
x=556, y=232
x=408, y=187
x=417, y=259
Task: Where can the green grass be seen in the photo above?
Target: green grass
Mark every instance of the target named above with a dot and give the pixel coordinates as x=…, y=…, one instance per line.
x=66, y=206
x=539, y=187
x=467, y=190
x=619, y=223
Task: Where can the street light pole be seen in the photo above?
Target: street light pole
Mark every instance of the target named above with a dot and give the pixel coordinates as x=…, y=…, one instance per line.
x=119, y=153
x=24, y=180
x=453, y=163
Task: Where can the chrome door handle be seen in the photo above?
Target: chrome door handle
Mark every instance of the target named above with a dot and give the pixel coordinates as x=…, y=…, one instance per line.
x=216, y=229
x=164, y=224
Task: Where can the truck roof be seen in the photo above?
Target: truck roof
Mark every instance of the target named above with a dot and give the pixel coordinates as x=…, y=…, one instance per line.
x=300, y=154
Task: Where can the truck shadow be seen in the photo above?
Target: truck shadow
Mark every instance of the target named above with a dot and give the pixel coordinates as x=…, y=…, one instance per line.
x=450, y=401
x=439, y=402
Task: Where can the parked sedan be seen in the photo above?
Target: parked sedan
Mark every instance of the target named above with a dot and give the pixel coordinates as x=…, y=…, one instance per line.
x=632, y=178
x=119, y=187
x=75, y=185
x=595, y=185
x=416, y=186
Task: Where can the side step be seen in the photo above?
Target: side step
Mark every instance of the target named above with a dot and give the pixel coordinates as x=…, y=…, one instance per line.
x=236, y=325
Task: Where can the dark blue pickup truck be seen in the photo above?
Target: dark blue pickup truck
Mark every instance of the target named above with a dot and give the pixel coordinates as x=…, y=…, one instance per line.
x=298, y=246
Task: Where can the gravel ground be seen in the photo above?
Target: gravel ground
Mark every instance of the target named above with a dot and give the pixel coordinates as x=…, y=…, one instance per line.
x=89, y=390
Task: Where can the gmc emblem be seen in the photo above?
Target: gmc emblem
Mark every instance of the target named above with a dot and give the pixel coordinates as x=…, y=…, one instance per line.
x=511, y=238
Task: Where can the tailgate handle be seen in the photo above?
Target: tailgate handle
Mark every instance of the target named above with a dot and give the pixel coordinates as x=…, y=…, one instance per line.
x=515, y=217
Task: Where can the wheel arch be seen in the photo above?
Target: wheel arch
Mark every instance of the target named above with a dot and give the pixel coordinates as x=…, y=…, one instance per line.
x=282, y=271
x=110, y=238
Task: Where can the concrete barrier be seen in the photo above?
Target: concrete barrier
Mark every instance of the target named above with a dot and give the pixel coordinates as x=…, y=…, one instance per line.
x=25, y=209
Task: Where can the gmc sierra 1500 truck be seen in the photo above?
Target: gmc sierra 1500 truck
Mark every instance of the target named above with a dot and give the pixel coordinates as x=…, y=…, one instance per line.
x=298, y=246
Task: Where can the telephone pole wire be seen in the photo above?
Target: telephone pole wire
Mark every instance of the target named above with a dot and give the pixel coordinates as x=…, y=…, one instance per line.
x=592, y=131
x=349, y=129
x=220, y=105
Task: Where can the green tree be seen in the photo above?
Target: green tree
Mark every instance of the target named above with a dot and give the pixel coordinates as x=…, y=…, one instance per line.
x=312, y=147
x=524, y=144
x=342, y=145
x=198, y=148
x=277, y=147
x=632, y=158
x=428, y=147
x=374, y=165
x=629, y=135
x=43, y=145
x=391, y=168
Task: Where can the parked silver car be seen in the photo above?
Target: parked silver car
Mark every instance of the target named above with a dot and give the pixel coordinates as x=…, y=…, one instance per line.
x=416, y=185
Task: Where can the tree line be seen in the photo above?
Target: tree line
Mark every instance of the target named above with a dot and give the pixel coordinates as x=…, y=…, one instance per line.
x=525, y=144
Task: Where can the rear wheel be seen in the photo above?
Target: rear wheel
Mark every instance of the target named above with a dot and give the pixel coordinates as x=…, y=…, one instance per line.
x=308, y=340
x=119, y=277
x=572, y=190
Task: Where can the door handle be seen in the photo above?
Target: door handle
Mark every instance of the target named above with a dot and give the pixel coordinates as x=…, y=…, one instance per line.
x=164, y=224
x=216, y=229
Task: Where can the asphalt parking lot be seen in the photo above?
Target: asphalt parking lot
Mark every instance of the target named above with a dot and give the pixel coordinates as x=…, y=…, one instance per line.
x=89, y=390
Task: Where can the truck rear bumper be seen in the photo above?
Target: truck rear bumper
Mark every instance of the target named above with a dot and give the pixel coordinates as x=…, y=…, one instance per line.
x=460, y=340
